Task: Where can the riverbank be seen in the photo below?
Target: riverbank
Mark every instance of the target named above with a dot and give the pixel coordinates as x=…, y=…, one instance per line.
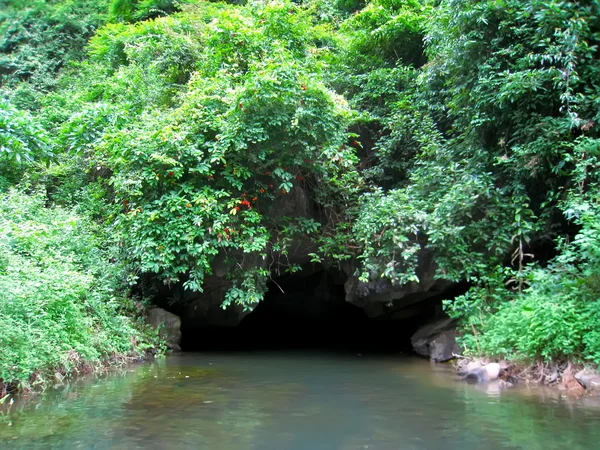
x=572, y=378
x=65, y=307
x=39, y=380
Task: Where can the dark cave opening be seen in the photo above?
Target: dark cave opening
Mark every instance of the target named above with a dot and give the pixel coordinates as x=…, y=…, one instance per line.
x=308, y=310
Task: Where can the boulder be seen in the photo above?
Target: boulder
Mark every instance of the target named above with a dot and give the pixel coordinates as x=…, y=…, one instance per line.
x=589, y=379
x=443, y=347
x=492, y=371
x=171, y=326
x=436, y=340
x=483, y=374
x=473, y=365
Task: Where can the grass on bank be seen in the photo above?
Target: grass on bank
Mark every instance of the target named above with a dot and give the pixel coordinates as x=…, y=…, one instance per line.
x=61, y=309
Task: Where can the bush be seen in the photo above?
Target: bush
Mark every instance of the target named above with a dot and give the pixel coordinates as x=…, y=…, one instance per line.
x=557, y=315
x=40, y=38
x=222, y=112
x=61, y=305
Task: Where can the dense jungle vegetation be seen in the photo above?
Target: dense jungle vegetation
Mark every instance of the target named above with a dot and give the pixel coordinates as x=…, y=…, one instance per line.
x=146, y=136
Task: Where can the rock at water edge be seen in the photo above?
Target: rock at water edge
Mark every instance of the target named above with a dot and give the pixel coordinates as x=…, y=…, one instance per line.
x=483, y=374
x=171, y=326
x=443, y=347
x=589, y=379
x=436, y=340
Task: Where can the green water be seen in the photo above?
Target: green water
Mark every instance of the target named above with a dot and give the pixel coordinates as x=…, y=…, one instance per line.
x=296, y=401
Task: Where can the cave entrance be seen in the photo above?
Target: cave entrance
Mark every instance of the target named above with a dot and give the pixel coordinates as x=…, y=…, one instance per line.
x=306, y=310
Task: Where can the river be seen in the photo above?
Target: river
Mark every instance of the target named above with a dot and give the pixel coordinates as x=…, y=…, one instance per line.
x=296, y=401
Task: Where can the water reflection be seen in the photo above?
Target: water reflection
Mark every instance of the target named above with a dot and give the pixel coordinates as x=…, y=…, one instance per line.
x=305, y=401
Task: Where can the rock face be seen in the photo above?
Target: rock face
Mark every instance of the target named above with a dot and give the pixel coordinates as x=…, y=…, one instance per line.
x=412, y=303
x=379, y=298
x=205, y=309
x=171, y=326
x=436, y=340
x=589, y=379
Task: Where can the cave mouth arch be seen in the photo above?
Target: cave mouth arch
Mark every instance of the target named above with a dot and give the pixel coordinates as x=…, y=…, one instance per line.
x=307, y=310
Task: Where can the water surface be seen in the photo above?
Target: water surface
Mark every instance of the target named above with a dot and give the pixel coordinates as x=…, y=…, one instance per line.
x=296, y=401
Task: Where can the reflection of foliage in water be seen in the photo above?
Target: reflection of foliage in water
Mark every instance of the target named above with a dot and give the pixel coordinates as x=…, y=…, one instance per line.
x=154, y=403
x=519, y=420
x=122, y=401
x=286, y=403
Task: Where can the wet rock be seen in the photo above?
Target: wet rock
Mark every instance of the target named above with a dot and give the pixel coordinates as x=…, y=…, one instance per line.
x=436, y=340
x=171, y=326
x=150, y=354
x=466, y=366
x=476, y=376
x=492, y=371
x=505, y=384
x=483, y=374
x=474, y=365
x=589, y=379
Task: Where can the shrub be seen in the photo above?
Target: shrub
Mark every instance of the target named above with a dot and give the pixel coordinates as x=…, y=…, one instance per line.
x=61, y=303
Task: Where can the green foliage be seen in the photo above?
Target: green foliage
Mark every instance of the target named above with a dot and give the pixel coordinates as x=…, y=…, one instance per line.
x=473, y=158
x=121, y=9
x=386, y=33
x=236, y=118
x=458, y=132
x=61, y=305
x=39, y=39
x=531, y=106
x=129, y=10
x=23, y=141
x=558, y=314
